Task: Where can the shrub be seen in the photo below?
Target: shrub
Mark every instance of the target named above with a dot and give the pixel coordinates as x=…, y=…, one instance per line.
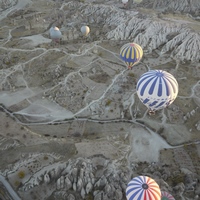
x=108, y=102
x=45, y=157
x=21, y=174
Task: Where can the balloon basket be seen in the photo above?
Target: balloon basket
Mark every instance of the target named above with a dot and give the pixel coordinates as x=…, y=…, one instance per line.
x=151, y=112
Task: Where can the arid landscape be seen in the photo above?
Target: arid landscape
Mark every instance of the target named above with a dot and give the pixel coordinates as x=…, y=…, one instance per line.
x=72, y=126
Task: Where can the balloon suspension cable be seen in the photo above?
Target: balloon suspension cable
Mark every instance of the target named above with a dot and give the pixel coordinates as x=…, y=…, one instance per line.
x=151, y=112
x=129, y=67
x=125, y=5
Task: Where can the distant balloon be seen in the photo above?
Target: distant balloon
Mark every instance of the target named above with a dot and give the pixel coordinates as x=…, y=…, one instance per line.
x=166, y=196
x=157, y=89
x=143, y=188
x=124, y=1
x=85, y=30
x=55, y=33
x=131, y=54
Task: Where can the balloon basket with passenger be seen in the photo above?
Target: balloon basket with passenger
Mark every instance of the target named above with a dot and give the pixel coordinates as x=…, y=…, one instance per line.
x=151, y=112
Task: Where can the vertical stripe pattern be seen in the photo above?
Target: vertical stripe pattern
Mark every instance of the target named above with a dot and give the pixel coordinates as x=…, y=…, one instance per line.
x=143, y=188
x=157, y=89
x=131, y=54
x=166, y=196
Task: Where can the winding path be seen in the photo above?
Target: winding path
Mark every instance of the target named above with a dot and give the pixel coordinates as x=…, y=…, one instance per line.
x=20, y=4
x=12, y=193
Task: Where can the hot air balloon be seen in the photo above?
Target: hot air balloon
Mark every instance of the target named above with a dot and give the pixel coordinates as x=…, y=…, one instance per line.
x=157, y=89
x=131, y=54
x=125, y=2
x=166, y=196
x=55, y=34
x=143, y=188
x=85, y=30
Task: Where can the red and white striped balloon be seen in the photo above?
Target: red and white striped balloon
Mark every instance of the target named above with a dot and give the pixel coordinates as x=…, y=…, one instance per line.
x=166, y=196
x=143, y=188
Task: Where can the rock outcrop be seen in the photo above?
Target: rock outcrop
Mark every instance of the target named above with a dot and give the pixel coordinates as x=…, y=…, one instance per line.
x=167, y=35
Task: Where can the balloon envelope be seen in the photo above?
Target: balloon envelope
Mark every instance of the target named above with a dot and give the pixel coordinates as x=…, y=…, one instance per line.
x=166, y=196
x=55, y=33
x=131, y=54
x=157, y=89
x=143, y=188
x=85, y=30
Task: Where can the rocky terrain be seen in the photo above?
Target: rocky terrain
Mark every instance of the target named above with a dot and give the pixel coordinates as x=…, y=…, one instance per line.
x=72, y=126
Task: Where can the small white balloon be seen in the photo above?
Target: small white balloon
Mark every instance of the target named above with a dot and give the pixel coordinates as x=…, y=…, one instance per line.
x=124, y=1
x=85, y=30
x=55, y=33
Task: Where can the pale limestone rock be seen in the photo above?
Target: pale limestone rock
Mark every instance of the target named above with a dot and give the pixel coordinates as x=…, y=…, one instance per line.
x=118, y=194
x=74, y=186
x=46, y=178
x=82, y=192
x=196, y=197
x=71, y=197
x=179, y=5
x=180, y=188
x=74, y=174
x=198, y=125
x=81, y=174
x=68, y=183
x=108, y=190
x=98, y=196
x=79, y=184
x=92, y=178
x=88, y=187
x=60, y=183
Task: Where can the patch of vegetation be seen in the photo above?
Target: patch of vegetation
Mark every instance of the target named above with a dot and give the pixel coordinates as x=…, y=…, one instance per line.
x=2, y=191
x=131, y=74
x=185, y=146
x=108, y=102
x=180, y=178
x=45, y=157
x=21, y=174
x=100, y=54
x=17, y=183
x=89, y=196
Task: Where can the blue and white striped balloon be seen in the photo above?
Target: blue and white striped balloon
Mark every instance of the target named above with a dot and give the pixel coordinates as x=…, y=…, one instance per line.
x=143, y=188
x=157, y=89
